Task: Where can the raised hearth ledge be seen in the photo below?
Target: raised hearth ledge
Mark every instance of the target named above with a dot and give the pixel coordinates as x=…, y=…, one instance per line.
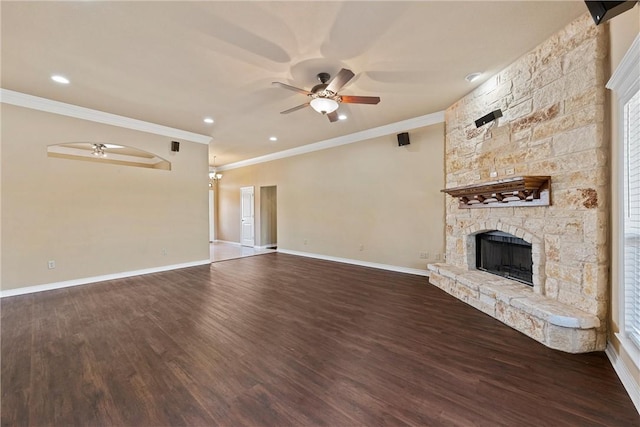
x=554, y=324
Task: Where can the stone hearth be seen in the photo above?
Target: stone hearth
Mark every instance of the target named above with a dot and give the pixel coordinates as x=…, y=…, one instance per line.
x=552, y=100
x=554, y=324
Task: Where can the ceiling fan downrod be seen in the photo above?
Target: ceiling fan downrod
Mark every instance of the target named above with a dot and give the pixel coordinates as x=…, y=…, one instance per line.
x=324, y=77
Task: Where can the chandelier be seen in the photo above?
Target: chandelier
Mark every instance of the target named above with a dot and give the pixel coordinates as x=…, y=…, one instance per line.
x=213, y=175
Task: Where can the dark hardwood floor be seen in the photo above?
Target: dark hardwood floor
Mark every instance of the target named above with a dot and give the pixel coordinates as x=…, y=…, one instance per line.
x=279, y=340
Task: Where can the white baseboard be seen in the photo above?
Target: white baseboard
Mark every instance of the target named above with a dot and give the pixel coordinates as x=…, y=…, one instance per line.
x=227, y=242
x=630, y=384
x=94, y=279
x=271, y=246
x=265, y=247
x=358, y=262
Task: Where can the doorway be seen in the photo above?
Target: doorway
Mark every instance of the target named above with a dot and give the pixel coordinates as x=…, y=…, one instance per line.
x=268, y=217
x=247, y=226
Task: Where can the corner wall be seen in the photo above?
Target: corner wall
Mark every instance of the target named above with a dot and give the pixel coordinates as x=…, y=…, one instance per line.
x=95, y=219
x=370, y=193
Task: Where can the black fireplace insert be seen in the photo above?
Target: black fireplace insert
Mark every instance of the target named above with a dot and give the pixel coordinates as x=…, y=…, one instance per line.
x=505, y=255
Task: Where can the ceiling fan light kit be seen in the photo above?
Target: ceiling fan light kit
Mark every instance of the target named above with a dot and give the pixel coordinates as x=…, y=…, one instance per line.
x=324, y=105
x=324, y=96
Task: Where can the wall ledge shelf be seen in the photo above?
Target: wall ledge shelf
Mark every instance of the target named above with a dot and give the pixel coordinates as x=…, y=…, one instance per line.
x=508, y=192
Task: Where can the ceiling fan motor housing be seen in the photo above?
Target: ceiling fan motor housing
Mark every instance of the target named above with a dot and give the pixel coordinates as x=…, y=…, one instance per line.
x=318, y=89
x=323, y=78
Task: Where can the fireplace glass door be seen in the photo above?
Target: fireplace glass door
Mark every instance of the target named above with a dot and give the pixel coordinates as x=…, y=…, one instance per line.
x=505, y=255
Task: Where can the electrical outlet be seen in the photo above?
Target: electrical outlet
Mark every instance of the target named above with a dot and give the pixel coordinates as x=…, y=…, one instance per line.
x=437, y=257
x=509, y=171
x=361, y=247
x=164, y=251
x=51, y=264
x=305, y=241
x=424, y=255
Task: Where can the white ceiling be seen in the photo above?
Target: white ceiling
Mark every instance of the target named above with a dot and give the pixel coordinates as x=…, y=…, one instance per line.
x=173, y=63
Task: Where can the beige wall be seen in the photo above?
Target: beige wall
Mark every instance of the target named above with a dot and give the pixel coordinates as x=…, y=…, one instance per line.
x=370, y=193
x=95, y=219
x=623, y=30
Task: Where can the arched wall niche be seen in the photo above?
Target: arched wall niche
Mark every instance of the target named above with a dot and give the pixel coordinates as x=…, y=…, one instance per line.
x=103, y=152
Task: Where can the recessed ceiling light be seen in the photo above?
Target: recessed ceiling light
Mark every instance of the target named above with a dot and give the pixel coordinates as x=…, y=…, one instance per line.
x=208, y=120
x=342, y=117
x=273, y=138
x=60, y=79
x=473, y=76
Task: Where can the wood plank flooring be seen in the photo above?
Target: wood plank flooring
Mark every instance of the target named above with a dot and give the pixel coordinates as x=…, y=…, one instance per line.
x=279, y=340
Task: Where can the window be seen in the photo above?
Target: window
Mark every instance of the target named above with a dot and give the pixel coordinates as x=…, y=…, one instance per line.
x=631, y=225
x=625, y=83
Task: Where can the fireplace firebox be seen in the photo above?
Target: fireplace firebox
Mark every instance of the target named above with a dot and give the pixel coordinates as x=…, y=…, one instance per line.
x=505, y=255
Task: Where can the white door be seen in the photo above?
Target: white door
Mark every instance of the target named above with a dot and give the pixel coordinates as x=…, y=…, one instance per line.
x=246, y=210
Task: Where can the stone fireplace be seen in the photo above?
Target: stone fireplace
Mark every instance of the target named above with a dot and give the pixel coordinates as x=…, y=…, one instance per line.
x=552, y=101
x=537, y=249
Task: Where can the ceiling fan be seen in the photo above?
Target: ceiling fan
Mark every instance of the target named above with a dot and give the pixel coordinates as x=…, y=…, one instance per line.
x=324, y=96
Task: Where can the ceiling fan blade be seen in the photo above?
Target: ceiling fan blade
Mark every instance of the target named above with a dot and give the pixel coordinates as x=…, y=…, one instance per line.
x=340, y=80
x=360, y=99
x=333, y=116
x=291, y=110
x=293, y=88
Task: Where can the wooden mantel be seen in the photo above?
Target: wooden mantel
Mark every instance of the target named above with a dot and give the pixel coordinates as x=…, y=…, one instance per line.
x=508, y=192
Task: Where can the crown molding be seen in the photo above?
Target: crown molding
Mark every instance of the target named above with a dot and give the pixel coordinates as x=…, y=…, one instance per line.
x=626, y=78
x=402, y=126
x=57, y=107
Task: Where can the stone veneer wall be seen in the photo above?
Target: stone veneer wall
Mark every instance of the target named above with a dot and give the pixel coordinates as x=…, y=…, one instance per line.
x=553, y=102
